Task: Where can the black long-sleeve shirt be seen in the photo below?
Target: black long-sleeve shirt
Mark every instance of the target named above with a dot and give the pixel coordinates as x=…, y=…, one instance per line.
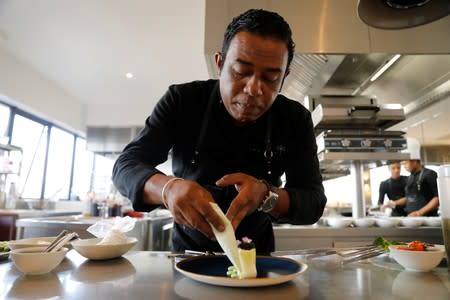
x=176, y=123
x=393, y=188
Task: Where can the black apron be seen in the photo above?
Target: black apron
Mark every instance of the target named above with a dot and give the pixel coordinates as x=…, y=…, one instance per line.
x=415, y=199
x=256, y=226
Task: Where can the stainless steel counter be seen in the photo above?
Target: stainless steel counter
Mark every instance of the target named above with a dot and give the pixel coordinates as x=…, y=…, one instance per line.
x=150, y=231
x=151, y=275
x=290, y=237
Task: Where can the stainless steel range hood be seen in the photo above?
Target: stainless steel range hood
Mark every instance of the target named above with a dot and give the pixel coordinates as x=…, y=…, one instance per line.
x=109, y=140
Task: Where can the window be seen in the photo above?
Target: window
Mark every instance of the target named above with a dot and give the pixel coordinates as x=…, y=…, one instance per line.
x=101, y=182
x=31, y=136
x=54, y=162
x=82, y=170
x=59, y=166
x=4, y=120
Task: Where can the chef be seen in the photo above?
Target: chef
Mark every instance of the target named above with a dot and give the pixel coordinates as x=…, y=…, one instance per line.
x=421, y=192
x=231, y=141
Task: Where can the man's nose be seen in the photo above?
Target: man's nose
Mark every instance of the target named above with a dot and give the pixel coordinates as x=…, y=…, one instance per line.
x=253, y=87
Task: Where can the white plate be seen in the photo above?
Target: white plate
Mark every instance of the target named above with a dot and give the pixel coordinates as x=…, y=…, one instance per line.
x=432, y=221
x=89, y=248
x=386, y=222
x=364, y=222
x=213, y=269
x=411, y=222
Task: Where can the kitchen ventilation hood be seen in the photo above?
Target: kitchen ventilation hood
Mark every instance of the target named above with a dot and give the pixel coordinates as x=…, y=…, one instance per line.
x=400, y=14
x=109, y=140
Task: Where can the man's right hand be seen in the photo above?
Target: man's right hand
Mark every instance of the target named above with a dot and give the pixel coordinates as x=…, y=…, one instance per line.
x=189, y=204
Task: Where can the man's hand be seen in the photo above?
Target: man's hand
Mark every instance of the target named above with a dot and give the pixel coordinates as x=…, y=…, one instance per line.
x=189, y=205
x=416, y=213
x=251, y=193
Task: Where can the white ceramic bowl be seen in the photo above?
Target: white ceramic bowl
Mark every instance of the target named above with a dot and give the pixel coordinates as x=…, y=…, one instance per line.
x=411, y=221
x=33, y=261
x=89, y=248
x=386, y=222
x=432, y=221
x=364, y=222
x=418, y=261
x=339, y=222
x=33, y=242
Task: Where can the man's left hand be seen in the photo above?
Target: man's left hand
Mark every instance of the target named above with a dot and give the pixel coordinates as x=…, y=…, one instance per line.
x=251, y=193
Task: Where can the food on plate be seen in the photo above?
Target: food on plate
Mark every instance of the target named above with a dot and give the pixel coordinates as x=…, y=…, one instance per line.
x=413, y=246
x=244, y=259
x=4, y=246
x=247, y=260
x=114, y=236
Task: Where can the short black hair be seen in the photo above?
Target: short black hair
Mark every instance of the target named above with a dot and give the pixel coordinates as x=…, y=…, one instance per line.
x=262, y=23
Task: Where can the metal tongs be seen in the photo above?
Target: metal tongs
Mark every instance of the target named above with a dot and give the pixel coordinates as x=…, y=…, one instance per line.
x=62, y=238
x=349, y=255
x=190, y=253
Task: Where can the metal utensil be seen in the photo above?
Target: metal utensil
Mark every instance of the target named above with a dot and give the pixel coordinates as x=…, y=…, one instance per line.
x=349, y=255
x=63, y=241
x=56, y=240
x=60, y=241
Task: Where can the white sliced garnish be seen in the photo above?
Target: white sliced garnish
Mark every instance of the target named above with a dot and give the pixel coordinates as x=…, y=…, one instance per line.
x=226, y=238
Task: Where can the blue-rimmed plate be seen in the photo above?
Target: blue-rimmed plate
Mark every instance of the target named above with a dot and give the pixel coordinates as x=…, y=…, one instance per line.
x=213, y=270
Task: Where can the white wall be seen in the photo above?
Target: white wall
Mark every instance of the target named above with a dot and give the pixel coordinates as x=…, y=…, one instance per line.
x=23, y=87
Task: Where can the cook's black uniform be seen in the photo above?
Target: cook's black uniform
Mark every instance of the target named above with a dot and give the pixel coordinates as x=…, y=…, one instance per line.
x=421, y=187
x=191, y=120
x=394, y=189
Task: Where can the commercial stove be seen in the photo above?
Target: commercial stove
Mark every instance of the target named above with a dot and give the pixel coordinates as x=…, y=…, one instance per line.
x=352, y=132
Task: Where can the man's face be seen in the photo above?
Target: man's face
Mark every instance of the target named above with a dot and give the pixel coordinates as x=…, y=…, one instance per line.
x=251, y=75
x=395, y=170
x=410, y=165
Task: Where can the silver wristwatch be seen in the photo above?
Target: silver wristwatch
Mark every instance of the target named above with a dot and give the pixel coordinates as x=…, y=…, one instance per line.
x=270, y=200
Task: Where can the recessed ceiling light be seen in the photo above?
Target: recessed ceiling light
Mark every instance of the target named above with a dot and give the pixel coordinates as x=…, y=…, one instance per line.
x=129, y=75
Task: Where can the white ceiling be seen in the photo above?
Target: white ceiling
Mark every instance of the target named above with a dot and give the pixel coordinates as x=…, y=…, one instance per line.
x=86, y=47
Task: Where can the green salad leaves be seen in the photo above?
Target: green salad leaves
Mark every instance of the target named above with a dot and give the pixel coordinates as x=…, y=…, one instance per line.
x=4, y=247
x=384, y=243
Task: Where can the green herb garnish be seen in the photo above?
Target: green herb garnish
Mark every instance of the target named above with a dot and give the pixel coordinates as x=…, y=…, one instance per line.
x=4, y=247
x=384, y=243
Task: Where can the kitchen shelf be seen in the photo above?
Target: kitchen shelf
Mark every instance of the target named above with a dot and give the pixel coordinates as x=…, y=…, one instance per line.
x=365, y=157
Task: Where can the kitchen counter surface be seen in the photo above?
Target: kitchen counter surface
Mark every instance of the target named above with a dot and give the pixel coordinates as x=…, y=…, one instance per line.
x=151, y=275
x=289, y=237
x=34, y=213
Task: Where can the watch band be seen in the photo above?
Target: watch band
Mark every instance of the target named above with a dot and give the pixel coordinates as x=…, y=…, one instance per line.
x=270, y=200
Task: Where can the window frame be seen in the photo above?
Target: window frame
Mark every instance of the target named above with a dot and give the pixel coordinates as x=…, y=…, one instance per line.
x=14, y=110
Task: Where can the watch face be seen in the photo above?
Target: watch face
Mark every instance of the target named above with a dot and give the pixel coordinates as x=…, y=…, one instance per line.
x=270, y=202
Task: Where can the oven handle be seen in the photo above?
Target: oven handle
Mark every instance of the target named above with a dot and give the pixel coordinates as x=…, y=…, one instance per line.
x=354, y=110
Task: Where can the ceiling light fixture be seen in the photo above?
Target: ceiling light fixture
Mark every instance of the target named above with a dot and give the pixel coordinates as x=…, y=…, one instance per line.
x=385, y=67
x=129, y=75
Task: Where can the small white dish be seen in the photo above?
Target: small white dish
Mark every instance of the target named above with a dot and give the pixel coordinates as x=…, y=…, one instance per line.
x=34, y=261
x=386, y=222
x=339, y=222
x=89, y=248
x=411, y=222
x=432, y=221
x=364, y=222
x=418, y=261
x=33, y=242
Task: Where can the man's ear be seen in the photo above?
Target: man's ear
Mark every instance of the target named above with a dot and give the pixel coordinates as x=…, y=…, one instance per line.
x=284, y=77
x=288, y=71
x=219, y=61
